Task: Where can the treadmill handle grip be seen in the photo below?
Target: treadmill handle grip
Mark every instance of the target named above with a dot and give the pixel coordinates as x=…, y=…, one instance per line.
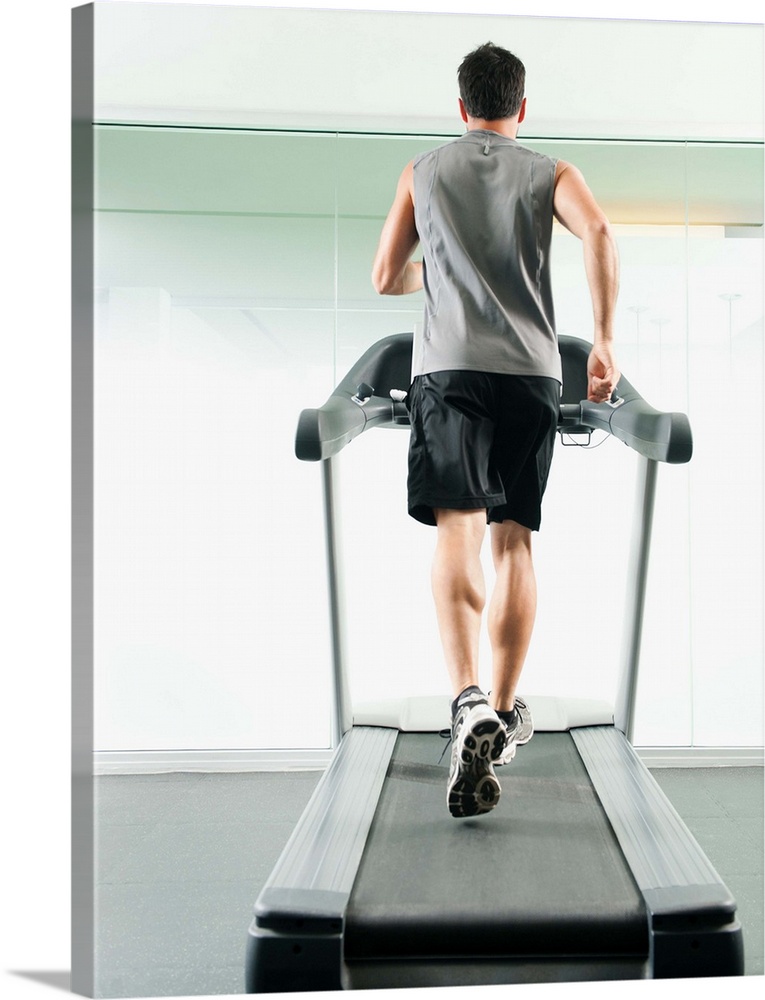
x=323, y=432
x=663, y=437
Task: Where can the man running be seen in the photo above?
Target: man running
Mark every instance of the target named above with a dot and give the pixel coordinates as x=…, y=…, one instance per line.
x=486, y=379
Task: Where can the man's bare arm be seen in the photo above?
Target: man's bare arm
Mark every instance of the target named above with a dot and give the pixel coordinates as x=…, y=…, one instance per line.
x=393, y=272
x=575, y=207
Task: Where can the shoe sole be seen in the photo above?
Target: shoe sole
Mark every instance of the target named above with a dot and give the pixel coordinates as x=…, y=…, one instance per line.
x=475, y=788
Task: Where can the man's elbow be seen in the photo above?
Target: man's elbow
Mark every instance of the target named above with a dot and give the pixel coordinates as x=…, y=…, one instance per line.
x=384, y=281
x=599, y=230
x=598, y=240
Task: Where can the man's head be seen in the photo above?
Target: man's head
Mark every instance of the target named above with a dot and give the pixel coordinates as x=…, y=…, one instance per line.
x=492, y=83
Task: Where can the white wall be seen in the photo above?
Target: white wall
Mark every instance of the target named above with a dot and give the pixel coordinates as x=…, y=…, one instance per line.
x=233, y=288
x=397, y=71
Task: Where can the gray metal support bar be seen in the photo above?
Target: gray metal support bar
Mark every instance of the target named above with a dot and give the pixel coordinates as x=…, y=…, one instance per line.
x=624, y=713
x=342, y=710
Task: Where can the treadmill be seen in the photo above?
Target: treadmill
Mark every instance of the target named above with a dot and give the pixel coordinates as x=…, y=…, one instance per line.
x=585, y=872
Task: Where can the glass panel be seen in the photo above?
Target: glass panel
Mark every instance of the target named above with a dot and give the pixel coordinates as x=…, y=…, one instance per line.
x=234, y=289
x=725, y=374
x=216, y=287
x=636, y=183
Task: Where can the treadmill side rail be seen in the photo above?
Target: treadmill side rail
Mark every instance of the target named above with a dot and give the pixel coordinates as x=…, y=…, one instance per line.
x=295, y=938
x=692, y=915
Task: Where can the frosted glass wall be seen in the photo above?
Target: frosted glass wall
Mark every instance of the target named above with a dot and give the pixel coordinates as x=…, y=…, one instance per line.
x=216, y=292
x=233, y=289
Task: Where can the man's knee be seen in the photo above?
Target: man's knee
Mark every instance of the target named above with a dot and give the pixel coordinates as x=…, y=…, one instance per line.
x=510, y=538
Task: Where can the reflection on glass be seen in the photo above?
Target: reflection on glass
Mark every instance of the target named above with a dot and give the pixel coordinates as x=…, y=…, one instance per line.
x=233, y=286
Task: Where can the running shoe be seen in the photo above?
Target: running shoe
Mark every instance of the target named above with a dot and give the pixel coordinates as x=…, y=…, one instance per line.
x=478, y=739
x=519, y=730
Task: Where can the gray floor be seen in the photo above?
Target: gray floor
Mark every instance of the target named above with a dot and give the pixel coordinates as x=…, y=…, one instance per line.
x=181, y=859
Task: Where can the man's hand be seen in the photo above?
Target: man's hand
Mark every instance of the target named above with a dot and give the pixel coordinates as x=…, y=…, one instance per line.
x=602, y=374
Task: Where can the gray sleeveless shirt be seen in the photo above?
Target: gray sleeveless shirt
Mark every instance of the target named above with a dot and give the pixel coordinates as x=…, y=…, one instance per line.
x=483, y=211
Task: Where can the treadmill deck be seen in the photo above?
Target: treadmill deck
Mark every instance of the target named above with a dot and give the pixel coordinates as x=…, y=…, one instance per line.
x=541, y=875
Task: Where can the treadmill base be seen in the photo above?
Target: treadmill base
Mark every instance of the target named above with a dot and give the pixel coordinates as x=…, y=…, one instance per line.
x=406, y=974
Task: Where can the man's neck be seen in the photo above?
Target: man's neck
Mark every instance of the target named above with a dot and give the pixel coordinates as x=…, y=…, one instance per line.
x=504, y=126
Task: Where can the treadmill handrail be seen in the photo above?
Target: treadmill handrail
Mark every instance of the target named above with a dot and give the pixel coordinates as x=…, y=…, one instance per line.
x=661, y=436
x=326, y=430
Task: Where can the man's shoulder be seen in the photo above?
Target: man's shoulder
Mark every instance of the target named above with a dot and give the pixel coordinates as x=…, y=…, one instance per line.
x=535, y=154
x=431, y=154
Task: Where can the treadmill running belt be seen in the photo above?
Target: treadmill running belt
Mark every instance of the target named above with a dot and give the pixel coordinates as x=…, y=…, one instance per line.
x=540, y=876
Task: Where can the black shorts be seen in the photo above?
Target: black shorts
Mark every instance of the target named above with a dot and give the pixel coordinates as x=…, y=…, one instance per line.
x=481, y=440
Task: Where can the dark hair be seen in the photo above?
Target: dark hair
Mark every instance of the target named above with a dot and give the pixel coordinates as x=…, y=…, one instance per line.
x=492, y=82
